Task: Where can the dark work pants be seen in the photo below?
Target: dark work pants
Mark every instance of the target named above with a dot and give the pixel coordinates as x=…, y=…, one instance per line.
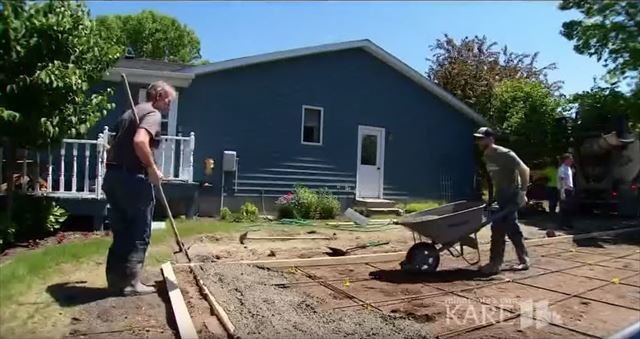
x=131, y=200
x=566, y=209
x=552, y=196
x=506, y=225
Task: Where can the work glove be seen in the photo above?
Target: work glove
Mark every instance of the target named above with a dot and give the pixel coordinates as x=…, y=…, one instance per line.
x=522, y=198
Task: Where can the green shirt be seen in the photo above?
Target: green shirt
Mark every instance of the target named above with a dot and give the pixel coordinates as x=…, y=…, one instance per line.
x=503, y=164
x=552, y=174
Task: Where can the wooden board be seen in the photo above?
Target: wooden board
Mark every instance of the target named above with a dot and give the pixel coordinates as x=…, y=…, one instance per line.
x=583, y=236
x=180, y=311
x=323, y=261
x=217, y=308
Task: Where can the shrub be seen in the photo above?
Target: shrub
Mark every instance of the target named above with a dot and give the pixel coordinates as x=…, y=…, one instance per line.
x=305, y=203
x=7, y=230
x=249, y=212
x=286, y=212
x=33, y=218
x=285, y=207
x=328, y=205
x=225, y=214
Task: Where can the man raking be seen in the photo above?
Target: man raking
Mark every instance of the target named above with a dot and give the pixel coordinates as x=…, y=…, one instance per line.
x=510, y=178
x=128, y=186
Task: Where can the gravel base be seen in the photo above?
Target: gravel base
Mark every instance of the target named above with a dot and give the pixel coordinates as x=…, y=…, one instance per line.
x=260, y=310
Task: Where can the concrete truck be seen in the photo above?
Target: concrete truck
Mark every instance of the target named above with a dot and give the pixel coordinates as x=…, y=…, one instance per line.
x=608, y=172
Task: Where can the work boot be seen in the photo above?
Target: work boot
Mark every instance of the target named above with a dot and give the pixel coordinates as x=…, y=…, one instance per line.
x=135, y=287
x=138, y=288
x=523, y=265
x=490, y=268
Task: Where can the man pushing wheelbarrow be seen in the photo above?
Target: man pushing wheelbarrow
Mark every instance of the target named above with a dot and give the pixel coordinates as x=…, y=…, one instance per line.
x=459, y=222
x=510, y=177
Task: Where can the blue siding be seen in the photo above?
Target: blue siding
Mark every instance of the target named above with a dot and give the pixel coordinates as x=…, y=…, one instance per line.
x=256, y=111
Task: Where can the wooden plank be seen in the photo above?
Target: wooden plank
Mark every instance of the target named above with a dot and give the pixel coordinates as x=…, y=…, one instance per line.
x=217, y=308
x=180, y=311
x=583, y=236
x=325, y=261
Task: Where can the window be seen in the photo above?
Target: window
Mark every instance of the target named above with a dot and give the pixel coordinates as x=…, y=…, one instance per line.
x=369, y=152
x=312, y=125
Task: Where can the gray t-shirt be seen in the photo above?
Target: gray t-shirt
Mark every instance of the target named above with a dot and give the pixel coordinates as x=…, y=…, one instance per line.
x=503, y=165
x=121, y=151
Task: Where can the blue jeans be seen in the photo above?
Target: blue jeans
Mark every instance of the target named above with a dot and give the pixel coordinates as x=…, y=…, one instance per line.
x=131, y=200
x=507, y=225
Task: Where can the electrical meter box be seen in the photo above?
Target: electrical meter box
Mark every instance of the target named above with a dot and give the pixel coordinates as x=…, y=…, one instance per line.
x=229, y=161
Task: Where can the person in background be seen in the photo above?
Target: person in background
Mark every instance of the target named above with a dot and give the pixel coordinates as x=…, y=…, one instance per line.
x=565, y=185
x=551, y=172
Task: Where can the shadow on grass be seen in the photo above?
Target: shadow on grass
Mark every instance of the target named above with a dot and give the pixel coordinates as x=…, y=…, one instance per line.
x=402, y=277
x=69, y=294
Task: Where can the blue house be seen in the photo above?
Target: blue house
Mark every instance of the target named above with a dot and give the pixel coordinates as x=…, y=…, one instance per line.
x=349, y=117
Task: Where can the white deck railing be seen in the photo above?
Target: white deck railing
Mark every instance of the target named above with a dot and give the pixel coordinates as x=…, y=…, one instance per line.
x=83, y=178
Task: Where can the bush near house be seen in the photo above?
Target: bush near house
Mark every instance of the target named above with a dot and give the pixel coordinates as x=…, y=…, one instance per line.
x=225, y=214
x=33, y=218
x=305, y=203
x=249, y=212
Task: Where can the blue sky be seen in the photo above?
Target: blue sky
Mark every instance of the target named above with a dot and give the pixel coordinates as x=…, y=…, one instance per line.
x=406, y=29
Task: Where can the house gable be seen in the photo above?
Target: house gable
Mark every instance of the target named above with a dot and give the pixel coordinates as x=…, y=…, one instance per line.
x=365, y=45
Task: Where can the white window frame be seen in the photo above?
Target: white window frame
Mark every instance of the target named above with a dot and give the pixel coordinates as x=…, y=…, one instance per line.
x=321, y=109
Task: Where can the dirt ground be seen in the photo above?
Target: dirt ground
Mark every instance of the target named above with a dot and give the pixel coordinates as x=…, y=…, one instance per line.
x=584, y=268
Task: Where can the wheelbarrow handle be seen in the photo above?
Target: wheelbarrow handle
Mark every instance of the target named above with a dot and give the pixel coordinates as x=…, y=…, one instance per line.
x=492, y=217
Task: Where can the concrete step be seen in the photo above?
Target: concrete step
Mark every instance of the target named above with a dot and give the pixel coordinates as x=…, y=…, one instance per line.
x=374, y=203
x=384, y=210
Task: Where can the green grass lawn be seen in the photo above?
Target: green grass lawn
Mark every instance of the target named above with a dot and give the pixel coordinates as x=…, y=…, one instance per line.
x=30, y=267
x=419, y=205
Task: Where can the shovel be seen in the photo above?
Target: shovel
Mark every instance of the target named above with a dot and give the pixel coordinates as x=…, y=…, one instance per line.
x=338, y=252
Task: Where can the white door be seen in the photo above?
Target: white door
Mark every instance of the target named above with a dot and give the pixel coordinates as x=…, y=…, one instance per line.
x=370, y=162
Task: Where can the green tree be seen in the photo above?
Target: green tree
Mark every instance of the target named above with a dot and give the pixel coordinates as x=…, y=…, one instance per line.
x=601, y=108
x=153, y=35
x=610, y=31
x=50, y=55
x=472, y=68
x=528, y=112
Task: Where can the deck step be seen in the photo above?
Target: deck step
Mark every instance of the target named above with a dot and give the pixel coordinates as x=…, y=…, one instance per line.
x=385, y=210
x=374, y=203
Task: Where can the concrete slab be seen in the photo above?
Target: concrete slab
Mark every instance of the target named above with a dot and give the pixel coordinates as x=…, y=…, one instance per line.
x=623, y=295
x=593, y=271
x=626, y=264
x=594, y=317
x=516, y=329
x=558, y=282
x=446, y=313
x=378, y=291
x=511, y=295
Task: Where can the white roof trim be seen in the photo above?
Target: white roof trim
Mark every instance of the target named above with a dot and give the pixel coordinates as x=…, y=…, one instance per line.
x=142, y=76
x=367, y=45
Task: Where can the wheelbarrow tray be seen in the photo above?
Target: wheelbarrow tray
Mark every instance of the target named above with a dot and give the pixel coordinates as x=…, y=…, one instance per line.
x=447, y=224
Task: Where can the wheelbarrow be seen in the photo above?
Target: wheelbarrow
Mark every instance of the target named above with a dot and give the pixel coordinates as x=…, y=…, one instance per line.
x=446, y=226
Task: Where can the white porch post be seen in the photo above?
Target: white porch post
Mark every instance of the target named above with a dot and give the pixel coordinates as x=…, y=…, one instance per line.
x=99, y=152
x=192, y=145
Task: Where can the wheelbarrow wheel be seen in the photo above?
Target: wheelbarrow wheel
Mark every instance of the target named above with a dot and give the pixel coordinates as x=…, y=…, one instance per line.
x=421, y=257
